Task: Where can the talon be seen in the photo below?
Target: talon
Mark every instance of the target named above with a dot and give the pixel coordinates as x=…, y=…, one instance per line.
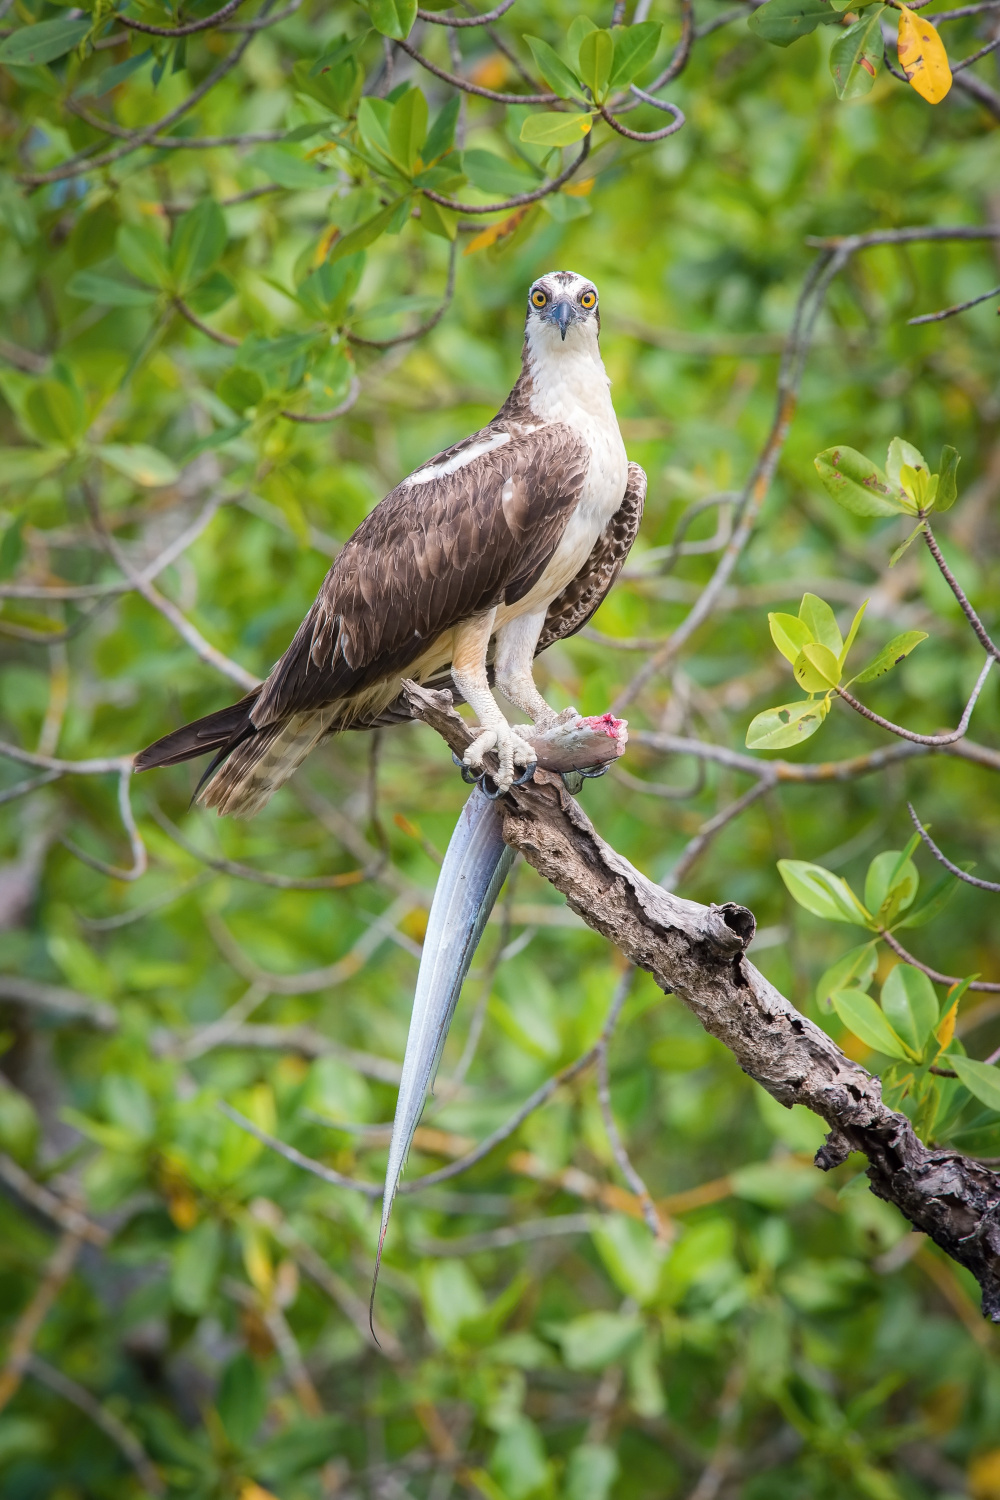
x=526, y=775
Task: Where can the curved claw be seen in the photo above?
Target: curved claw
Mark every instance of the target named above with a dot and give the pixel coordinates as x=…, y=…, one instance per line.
x=469, y=776
x=475, y=867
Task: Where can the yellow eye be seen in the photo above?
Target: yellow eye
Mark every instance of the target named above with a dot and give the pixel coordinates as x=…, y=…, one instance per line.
x=588, y=299
x=538, y=299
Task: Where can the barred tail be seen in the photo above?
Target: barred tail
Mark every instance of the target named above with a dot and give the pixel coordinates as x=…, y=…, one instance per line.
x=249, y=763
x=240, y=781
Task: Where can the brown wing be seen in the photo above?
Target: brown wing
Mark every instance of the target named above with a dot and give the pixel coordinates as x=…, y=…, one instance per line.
x=580, y=599
x=429, y=556
x=583, y=594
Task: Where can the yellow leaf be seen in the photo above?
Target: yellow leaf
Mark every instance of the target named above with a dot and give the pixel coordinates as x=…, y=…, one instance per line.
x=326, y=240
x=580, y=189
x=257, y=1260
x=922, y=56
x=946, y=1029
x=984, y=1476
x=498, y=231
x=251, y=1490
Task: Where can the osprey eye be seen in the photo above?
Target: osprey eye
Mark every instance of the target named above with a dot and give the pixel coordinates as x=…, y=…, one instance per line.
x=538, y=299
x=588, y=299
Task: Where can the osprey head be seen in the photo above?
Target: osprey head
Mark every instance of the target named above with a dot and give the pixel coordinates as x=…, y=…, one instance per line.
x=561, y=300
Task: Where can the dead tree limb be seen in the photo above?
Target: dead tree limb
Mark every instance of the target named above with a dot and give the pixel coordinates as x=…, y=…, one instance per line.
x=698, y=953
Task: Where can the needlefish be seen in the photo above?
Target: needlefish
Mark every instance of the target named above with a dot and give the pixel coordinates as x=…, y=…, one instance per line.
x=474, y=869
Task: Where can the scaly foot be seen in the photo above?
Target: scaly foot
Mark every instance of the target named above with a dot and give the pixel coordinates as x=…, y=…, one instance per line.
x=510, y=748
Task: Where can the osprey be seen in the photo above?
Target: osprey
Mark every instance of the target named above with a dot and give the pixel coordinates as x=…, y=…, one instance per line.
x=476, y=562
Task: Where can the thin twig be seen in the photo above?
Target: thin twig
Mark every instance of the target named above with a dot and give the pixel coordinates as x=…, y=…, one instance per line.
x=190, y=633
x=935, y=974
x=949, y=737
x=950, y=312
x=56, y=1274
x=983, y=885
x=103, y=1417
x=970, y=614
x=649, y=1210
x=519, y=199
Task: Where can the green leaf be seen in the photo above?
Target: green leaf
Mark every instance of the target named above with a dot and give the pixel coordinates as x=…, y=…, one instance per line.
x=917, y=486
x=492, y=174
x=947, y=490
x=891, y=655
x=242, y=1400
x=891, y=885
x=592, y=1470
x=789, y=634
x=822, y=892
x=288, y=168
x=299, y=1449
x=937, y=899
x=195, y=1265
x=853, y=480
x=198, y=240
x=816, y=669
x=393, y=18
x=555, y=130
x=92, y=286
x=776, y=1184
x=367, y=233
x=857, y=56
x=784, y=21
x=139, y=462
x=12, y=546
x=56, y=410
x=343, y=48
x=817, y=615
x=211, y=294
x=240, y=388
x=852, y=633
x=635, y=48
x=596, y=56
x=855, y=970
x=865, y=1020
x=374, y=119
x=32, y=45
x=981, y=1079
x=407, y=129
x=441, y=136
x=909, y=1001
x=790, y=724
x=595, y=1340
x=903, y=453
x=560, y=79
x=143, y=251
x=579, y=27
x=22, y=465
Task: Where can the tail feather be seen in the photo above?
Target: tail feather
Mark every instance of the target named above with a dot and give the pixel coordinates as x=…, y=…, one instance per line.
x=219, y=731
x=259, y=764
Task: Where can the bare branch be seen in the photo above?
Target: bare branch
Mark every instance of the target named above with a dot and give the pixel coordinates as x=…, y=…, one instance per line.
x=960, y=307
x=205, y=25
x=194, y=638
x=475, y=88
x=983, y=885
x=519, y=199
x=947, y=738
x=454, y=22
x=57, y=1273
x=699, y=954
x=103, y=1417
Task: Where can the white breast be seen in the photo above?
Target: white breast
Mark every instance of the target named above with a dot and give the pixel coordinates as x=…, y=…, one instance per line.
x=570, y=385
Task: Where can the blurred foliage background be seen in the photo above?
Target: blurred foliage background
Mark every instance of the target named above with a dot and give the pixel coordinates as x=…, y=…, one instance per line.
x=184, y=1312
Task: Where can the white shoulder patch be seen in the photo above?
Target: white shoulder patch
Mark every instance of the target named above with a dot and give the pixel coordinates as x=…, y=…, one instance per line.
x=459, y=460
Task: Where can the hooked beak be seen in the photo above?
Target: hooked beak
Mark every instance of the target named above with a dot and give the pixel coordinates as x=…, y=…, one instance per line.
x=562, y=316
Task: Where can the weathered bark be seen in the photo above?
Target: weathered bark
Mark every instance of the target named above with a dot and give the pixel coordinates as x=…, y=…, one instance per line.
x=699, y=954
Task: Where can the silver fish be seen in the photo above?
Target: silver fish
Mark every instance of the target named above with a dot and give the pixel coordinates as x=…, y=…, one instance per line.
x=475, y=867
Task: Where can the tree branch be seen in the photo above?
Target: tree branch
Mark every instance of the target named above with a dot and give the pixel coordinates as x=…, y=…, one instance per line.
x=699, y=954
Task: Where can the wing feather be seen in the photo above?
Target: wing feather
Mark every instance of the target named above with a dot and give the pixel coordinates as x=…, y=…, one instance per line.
x=430, y=555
